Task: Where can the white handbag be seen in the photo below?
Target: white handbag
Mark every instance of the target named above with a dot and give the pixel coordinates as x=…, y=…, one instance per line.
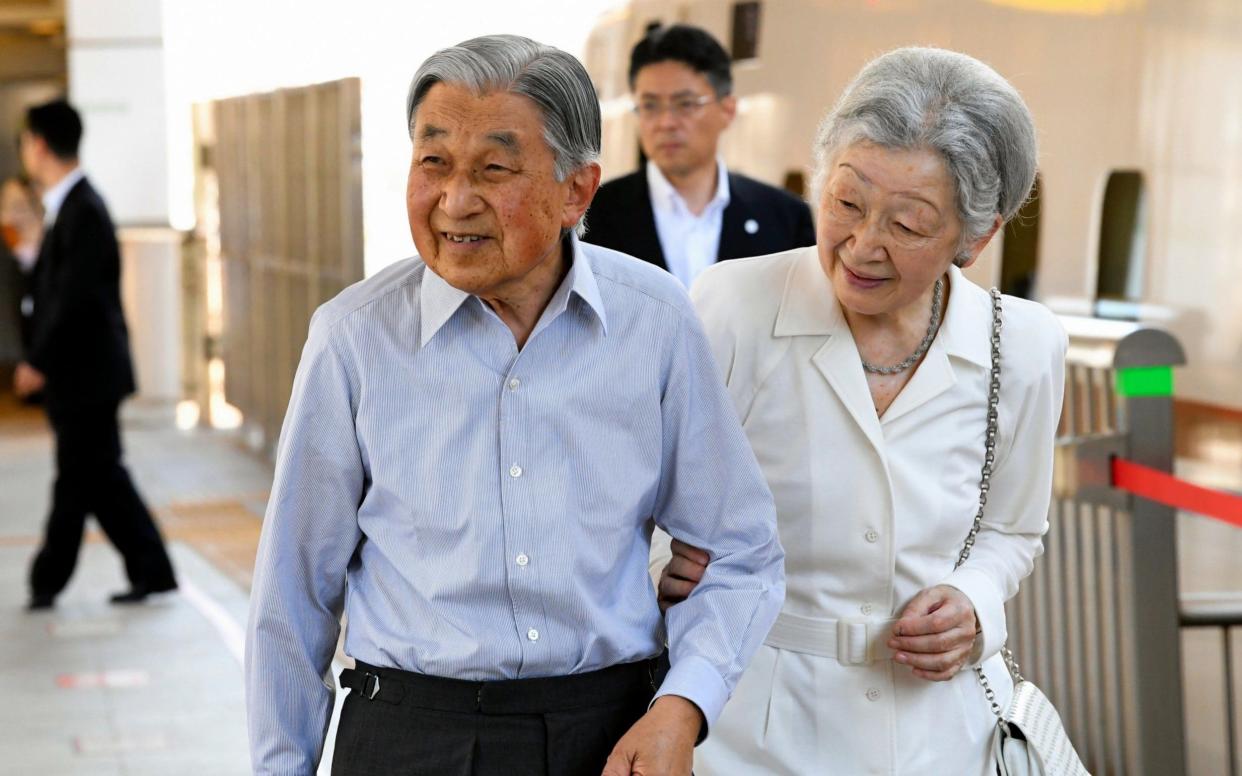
x=1029, y=739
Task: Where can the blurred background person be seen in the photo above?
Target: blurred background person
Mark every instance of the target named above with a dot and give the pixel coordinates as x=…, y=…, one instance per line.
x=684, y=210
x=21, y=225
x=78, y=355
x=21, y=220
x=860, y=369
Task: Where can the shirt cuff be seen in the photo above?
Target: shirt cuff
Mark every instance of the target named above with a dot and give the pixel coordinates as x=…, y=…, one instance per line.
x=989, y=611
x=696, y=680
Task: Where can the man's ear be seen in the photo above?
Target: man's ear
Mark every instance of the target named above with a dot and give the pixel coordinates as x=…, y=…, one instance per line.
x=583, y=183
x=973, y=250
x=728, y=104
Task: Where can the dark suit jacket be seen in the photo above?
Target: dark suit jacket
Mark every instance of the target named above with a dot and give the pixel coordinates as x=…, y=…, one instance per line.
x=621, y=218
x=79, y=340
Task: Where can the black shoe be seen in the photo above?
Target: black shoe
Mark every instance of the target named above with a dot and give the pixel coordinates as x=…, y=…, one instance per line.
x=137, y=595
x=39, y=603
x=133, y=596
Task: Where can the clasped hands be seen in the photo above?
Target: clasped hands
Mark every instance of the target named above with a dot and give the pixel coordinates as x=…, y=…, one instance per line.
x=934, y=636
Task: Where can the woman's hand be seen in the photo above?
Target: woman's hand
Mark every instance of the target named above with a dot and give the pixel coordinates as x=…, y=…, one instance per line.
x=681, y=574
x=936, y=633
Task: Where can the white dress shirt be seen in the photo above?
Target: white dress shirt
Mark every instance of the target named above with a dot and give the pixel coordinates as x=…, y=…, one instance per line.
x=872, y=509
x=54, y=197
x=690, y=243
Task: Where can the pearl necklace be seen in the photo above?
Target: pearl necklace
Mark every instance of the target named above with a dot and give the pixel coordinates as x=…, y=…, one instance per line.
x=932, y=326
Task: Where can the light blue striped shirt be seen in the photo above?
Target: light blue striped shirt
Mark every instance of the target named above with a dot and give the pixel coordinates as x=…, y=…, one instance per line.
x=482, y=513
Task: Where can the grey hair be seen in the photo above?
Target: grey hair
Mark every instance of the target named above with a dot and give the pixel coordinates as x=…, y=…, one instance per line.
x=949, y=103
x=554, y=80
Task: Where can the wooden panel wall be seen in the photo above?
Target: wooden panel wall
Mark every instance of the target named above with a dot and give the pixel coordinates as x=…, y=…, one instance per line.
x=290, y=193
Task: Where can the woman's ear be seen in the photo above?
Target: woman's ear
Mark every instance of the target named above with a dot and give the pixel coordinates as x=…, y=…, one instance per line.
x=972, y=250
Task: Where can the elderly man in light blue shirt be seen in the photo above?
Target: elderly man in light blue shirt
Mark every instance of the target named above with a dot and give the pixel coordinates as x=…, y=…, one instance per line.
x=479, y=443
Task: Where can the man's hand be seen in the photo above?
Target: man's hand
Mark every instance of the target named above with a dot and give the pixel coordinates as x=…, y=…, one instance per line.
x=936, y=633
x=27, y=380
x=659, y=744
x=682, y=573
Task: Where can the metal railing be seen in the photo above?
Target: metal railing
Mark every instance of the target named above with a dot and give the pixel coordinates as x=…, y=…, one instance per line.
x=1096, y=626
x=1214, y=622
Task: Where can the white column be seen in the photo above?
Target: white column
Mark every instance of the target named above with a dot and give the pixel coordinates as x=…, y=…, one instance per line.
x=116, y=80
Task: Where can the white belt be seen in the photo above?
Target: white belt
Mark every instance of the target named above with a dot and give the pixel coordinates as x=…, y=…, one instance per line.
x=852, y=642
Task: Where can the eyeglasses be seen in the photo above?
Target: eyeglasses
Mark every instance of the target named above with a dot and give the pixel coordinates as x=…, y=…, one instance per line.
x=680, y=107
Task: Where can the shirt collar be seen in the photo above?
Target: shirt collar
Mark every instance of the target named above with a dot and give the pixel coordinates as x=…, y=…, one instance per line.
x=966, y=330
x=54, y=197
x=665, y=197
x=439, y=300
x=808, y=306
x=581, y=281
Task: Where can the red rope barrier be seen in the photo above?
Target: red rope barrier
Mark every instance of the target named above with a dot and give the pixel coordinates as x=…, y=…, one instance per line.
x=1164, y=488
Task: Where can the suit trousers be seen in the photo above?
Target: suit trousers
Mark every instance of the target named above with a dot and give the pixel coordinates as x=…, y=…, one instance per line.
x=397, y=723
x=90, y=479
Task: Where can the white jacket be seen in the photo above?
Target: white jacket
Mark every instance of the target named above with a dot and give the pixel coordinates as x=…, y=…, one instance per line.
x=872, y=510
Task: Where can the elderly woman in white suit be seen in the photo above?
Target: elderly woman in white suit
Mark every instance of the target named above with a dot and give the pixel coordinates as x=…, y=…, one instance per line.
x=860, y=370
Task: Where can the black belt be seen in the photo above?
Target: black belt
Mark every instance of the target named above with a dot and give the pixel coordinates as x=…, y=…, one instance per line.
x=510, y=696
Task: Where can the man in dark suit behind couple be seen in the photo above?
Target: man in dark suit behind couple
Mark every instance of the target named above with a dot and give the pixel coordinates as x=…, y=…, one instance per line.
x=684, y=210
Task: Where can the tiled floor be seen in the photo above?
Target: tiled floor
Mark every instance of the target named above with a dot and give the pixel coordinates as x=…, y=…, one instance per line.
x=92, y=688
x=156, y=689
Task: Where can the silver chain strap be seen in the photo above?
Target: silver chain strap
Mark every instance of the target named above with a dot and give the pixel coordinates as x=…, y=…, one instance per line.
x=985, y=483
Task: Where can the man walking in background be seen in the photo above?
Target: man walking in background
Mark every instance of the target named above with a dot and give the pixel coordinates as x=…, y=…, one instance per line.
x=79, y=356
x=685, y=211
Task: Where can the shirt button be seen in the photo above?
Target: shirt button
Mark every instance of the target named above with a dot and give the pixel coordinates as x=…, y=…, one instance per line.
x=871, y=536
x=514, y=384
x=873, y=694
x=515, y=471
x=532, y=634
x=522, y=559
x=866, y=608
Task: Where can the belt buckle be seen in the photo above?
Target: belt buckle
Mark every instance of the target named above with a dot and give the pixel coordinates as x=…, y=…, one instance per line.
x=369, y=690
x=853, y=646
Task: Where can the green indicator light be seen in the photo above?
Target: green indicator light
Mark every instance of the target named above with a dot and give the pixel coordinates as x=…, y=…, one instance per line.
x=1145, y=381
